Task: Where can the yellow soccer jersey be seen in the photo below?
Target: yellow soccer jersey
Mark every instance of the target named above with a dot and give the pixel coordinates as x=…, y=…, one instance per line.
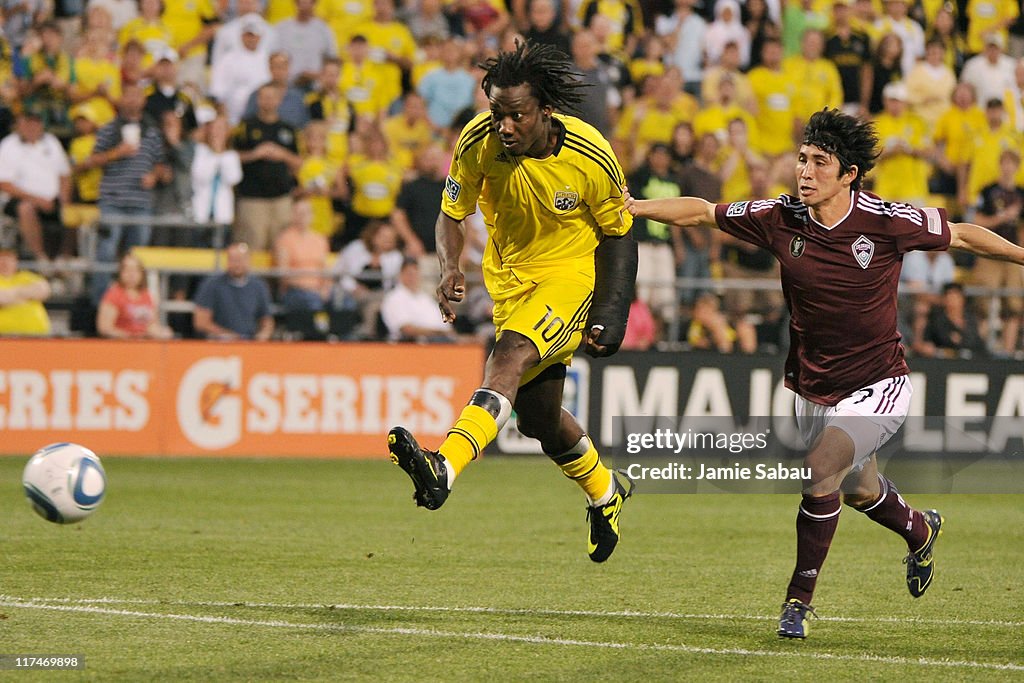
x=988, y=16
x=407, y=140
x=152, y=36
x=544, y=216
x=776, y=94
x=317, y=174
x=818, y=85
x=902, y=176
x=184, y=19
x=90, y=73
x=958, y=128
x=375, y=186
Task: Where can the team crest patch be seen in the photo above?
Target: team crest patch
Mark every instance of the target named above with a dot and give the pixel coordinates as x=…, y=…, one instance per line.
x=736, y=209
x=863, y=251
x=796, y=246
x=452, y=189
x=566, y=200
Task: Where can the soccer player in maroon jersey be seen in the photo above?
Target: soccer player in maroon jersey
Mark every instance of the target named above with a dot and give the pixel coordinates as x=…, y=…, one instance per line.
x=840, y=250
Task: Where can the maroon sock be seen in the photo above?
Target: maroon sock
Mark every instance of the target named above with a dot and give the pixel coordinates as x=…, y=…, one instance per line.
x=816, y=523
x=892, y=512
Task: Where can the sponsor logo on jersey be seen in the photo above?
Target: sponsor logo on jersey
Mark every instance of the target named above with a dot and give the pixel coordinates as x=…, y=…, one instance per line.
x=796, y=246
x=736, y=209
x=452, y=189
x=566, y=200
x=863, y=251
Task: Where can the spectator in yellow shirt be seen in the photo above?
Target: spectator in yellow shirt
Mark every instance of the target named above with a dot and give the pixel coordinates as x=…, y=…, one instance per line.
x=22, y=294
x=931, y=84
x=953, y=138
x=776, y=94
x=366, y=84
x=817, y=79
x=374, y=181
x=986, y=17
x=902, y=170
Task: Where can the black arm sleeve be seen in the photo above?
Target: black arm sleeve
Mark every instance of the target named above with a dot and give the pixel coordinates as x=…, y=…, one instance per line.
x=615, y=263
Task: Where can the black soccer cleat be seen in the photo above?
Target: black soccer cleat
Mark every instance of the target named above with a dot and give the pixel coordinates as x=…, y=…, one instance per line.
x=604, y=521
x=920, y=565
x=793, y=622
x=426, y=468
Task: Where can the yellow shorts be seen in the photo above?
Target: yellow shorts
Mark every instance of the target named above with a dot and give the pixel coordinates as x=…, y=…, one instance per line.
x=552, y=315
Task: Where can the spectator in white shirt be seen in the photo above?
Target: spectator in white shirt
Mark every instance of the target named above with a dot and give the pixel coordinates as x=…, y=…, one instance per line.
x=239, y=72
x=409, y=313
x=216, y=170
x=992, y=72
x=228, y=37
x=36, y=175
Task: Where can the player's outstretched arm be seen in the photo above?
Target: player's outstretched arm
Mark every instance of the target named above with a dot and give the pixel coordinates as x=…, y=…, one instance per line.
x=983, y=242
x=683, y=211
x=451, y=237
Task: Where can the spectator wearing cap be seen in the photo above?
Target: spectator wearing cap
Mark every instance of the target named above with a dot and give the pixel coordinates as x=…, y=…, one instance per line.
x=239, y=71
x=308, y=41
x=228, y=38
x=86, y=180
x=992, y=72
x=269, y=153
x=902, y=169
x=130, y=150
x=293, y=109
x=164, y=95
x=149, y=29
x=36, y=175
x=22, y=294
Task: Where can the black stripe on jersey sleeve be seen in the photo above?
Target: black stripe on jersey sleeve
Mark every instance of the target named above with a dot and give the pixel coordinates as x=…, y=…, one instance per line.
x=597, y=160
x=473, y=136
x=579, y=139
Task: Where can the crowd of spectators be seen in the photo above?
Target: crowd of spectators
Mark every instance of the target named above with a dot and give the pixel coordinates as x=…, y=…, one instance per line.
x=321, y=130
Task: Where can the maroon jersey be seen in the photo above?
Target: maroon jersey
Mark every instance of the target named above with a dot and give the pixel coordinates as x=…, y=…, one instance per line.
x=840, y=284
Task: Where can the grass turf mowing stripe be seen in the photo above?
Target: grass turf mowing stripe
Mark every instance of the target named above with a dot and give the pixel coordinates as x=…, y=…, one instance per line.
x=509, y=611
x=506, y=637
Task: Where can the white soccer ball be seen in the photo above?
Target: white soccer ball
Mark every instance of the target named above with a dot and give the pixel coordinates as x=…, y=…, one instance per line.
x=64, y=482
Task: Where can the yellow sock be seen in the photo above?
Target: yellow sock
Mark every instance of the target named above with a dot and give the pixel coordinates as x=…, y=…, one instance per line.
x=471, y=433
x=588, y=471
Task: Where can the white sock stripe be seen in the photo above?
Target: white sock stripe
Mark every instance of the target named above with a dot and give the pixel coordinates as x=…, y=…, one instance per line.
x=819, y=517
x=883, y=491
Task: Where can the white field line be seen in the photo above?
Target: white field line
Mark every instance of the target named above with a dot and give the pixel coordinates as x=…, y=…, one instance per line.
x=506, y=637
x=911, y=620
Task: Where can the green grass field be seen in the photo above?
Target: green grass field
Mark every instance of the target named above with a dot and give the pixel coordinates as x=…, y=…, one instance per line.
x=252, y=570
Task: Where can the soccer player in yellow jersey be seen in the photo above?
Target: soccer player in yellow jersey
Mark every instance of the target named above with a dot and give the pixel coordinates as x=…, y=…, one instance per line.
x=560, y=265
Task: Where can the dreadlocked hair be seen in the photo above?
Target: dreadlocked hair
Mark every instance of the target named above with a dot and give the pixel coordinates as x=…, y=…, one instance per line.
x=852, y=141
x=548, y=71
